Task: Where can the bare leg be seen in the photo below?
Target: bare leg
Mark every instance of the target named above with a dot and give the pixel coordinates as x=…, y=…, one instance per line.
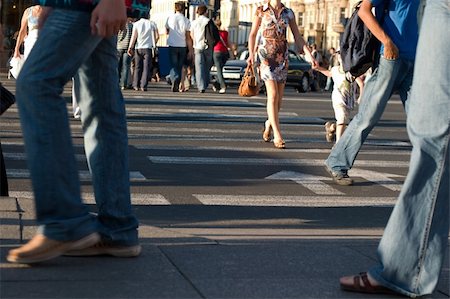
x=274, y=93
x=340, y=128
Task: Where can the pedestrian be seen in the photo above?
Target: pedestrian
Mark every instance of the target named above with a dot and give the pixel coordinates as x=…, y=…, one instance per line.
x=398, y=35
x=221, y=55
x=333, y=61
x=28, y=32
x=143, y=40
x=180, y=43
x=203, y=56
x=67, y=227
x=272, y=50
x=123, y=42
x=415, y=241
x=343, y=99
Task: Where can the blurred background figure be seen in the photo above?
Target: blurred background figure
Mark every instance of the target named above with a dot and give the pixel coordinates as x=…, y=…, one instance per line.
x=220, y=56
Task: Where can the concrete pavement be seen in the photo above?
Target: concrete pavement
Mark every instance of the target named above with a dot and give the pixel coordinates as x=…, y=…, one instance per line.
x=195, y=251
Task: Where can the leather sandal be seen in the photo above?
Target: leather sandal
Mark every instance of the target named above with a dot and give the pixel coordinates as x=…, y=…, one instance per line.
x=279, y=144
x=366, y=286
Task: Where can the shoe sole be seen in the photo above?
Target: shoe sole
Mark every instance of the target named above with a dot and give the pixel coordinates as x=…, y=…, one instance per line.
x=339, y=182
x=84, y=242
x=129, y=251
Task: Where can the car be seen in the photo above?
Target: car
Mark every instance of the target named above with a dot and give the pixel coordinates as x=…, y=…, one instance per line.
x=299, y=71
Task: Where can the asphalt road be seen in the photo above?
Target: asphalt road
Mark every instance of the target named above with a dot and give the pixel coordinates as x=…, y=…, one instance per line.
x=192, y=148
x=222, y=213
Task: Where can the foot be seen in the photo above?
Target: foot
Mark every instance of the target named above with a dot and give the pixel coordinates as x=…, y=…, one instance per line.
x=266, y=131
x=340, y=178
x=41, y=248
x=222, y=90
x=363, y=283
x=106, y=248
x=330, y=131
x=77, y=113
x=201, y=91
x=175, y=86
x=280, y=144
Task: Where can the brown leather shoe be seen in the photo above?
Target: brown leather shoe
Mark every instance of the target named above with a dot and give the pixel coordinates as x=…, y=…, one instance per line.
x=41, y=248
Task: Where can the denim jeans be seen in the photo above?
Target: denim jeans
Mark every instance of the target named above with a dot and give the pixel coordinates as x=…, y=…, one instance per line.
x=143, y=60
x=219, y=61
x=177, y=57
x=390, y=76
x=124, y=67
x=203, y=63
x=43, y=113
x=414, y=242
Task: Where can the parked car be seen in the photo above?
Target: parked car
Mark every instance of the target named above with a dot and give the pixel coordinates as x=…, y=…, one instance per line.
x=299, y=71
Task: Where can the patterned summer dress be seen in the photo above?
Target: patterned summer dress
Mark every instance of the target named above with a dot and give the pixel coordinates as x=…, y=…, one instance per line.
x=272, y=44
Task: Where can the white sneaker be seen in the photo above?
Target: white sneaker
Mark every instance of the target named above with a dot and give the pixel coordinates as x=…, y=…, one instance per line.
x=222, y=90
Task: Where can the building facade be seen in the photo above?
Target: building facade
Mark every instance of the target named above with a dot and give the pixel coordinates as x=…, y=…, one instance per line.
x=319, y=21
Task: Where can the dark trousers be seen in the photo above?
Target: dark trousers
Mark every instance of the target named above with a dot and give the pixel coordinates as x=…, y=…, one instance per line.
x=177, y=57
x=143, y=65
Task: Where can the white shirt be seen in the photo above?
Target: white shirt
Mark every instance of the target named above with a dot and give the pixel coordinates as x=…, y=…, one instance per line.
x=178, y=25
x=145, y=30
x=198, y=31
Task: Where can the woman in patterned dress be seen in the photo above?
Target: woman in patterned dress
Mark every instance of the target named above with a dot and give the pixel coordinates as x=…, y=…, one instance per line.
x=270, y=24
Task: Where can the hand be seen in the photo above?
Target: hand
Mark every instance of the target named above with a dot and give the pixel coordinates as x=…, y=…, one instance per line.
x=250, y=59
x=130, y=52
x=108, y=17
x=390, y=51
x=16, y=53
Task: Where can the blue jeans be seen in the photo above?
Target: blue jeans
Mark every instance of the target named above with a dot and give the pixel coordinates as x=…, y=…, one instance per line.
x=390, y=76
x=203, y=63
x=124, y=67
x=220, y=59
x=143, y=60
x=60, y=212
x=414, y=242
x=177, y=57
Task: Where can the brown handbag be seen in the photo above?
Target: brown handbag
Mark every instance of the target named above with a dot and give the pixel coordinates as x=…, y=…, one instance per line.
x=249, y=85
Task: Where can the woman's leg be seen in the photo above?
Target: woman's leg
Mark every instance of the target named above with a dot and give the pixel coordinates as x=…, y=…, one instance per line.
x=273, y=108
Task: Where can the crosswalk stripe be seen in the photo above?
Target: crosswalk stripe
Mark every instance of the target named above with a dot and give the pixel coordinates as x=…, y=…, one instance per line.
x=293, y=201
x=135, y=176
x=136, y=198
x=266, y=161
x=397, y=152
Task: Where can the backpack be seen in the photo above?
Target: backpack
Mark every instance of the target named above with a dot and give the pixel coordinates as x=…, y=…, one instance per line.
x=212, y=36
x=359, y=47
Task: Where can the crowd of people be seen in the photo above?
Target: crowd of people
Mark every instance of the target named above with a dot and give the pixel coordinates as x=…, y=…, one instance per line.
x=414, y=243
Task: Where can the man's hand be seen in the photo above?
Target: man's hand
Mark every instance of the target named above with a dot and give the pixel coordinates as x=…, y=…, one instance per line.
x=390, y=51
x=108, y=17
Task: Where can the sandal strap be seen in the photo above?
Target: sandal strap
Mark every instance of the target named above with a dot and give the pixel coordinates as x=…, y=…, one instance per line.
x=357, y=283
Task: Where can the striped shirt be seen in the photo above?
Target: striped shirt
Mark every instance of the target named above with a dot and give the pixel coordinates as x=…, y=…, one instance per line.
x=124, y=37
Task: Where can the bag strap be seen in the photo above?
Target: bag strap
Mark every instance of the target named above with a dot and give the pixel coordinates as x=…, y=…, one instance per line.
x=249, y=70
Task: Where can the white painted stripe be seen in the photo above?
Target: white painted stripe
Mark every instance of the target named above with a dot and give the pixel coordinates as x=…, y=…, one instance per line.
x=169, y=97
x=293, y=201
x=85, y=175
x=264, y=162
x=23, y=156
x=395, y=152
x=136, y=198
x=229, y=110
